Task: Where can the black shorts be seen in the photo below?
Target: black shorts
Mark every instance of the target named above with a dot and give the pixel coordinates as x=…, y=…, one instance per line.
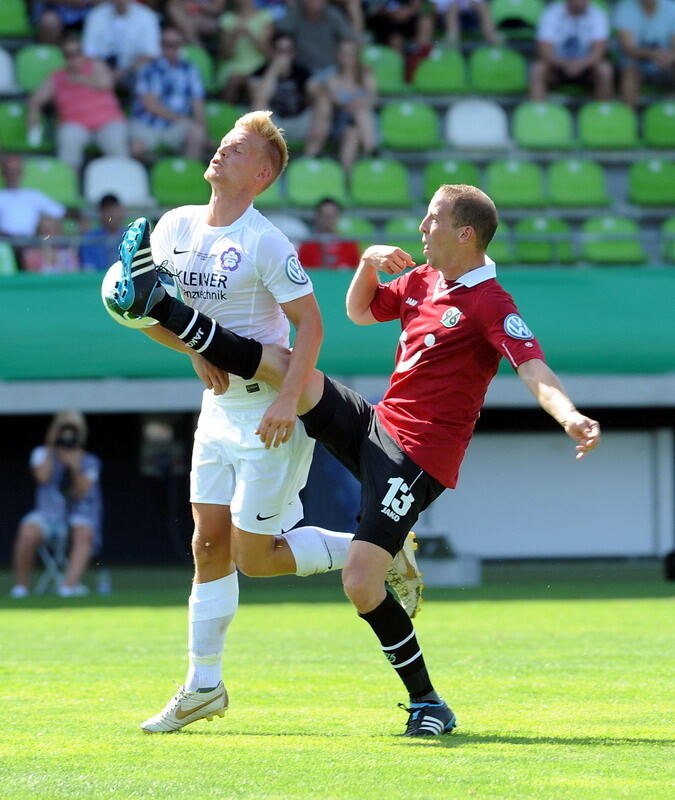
x=394, y=490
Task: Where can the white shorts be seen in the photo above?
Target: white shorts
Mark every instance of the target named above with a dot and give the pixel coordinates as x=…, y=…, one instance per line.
x=231, y=467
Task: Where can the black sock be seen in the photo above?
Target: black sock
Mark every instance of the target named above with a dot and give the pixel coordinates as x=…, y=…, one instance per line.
x=395, y=631
x=220, y=346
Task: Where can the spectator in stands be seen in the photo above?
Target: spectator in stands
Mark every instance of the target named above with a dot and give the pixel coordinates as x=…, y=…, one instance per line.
x=405, y=25
x=245, y=45
x=67, y=503
x=99, y=248
x=353, y=92
x=21, y=209
x=52, y=19
x=572, y=48
x=300, y=105
x=328, y=250
x=468, y=15
x=124, y=34
x=317, y=28
x=195, y=19
x=353, y=10
x=168, y=107
x=86, y=106
x=646, y=33
x=52, y=255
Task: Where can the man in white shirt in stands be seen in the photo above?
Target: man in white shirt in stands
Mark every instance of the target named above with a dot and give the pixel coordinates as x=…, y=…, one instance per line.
x=123, y=33
x=572, y=48
x=21, y=209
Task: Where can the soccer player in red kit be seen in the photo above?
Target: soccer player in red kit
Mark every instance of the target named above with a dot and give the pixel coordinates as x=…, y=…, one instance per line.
x=457, y=323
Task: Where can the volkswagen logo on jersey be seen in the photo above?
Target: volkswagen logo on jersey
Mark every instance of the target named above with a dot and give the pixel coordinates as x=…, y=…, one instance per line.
x=451, y=317
x=295, y=272
x=516, y=328
x=230, y=259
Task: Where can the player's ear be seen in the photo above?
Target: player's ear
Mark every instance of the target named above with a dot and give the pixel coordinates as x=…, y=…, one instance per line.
x=264, y=174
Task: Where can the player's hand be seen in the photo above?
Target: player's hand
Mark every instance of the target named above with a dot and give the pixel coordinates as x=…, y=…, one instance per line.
x=585, y=432
x=278, y=422
x=212, y=377
x=386, y=258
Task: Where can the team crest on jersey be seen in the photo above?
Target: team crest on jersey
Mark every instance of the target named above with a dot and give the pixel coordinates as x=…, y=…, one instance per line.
x=230, y=259
x=295, y=272
x=451, y=317
x=516, y=328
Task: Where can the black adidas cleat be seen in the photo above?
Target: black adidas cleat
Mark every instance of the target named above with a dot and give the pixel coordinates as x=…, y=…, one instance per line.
x=429, y=719
x=139, y=290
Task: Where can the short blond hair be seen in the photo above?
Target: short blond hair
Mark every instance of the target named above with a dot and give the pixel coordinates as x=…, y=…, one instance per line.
x=260, y=123
x=471, y=207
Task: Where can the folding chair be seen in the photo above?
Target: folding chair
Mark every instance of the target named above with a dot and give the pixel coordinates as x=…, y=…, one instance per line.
x=54, y=555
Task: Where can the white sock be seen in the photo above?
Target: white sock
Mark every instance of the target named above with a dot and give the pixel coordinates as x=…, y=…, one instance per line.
x=212, y=607
x=317, y=550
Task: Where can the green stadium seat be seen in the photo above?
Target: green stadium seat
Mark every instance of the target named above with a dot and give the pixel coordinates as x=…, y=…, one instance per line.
x=545, y=126
x=404, y=232
x=652, y=182
x=201, y=58
x=8, y=265
x=380, y=182
x=14, y=19
x=409, y=125
x=668, y=239
x=178, y=181
x=53, y=177
x=515, y=184
x=272, y=197
x=387, y=66
x=220, y=117
x=658, y=124
x=611, y=240
x=34, y=63
x=13, y=133
x=500, y=249
x=608, y=125
x=442, y=72
x=448, y=170
x=309, y=180
x=509, y=13
x=543, y=240
x=497, y=70
x=577, y=182
x=349, y=225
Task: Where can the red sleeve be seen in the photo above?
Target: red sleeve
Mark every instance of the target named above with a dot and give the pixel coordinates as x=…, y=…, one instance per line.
x=504, y=328
x=386, y=304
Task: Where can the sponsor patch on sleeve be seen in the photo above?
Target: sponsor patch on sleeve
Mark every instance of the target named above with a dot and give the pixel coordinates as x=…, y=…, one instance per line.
x=295, y=272
x=516, y=328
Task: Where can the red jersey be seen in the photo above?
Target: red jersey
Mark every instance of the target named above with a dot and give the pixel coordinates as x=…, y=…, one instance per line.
x=454, y=334
x=331, y=254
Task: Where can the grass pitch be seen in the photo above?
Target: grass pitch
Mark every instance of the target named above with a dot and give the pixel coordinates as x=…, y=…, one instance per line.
x=562, y=684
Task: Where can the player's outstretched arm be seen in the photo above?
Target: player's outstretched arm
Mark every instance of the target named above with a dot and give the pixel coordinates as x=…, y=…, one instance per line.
x=546, y=387
x=383, y=257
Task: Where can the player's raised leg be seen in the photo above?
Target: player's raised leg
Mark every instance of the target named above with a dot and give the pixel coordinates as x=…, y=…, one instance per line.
x=213, y=603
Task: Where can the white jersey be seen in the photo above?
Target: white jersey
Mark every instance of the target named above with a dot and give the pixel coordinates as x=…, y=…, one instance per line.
x=237, y=274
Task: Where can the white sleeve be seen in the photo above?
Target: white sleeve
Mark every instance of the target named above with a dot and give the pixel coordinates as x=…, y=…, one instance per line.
x=279, y=268
x=49, y=207
x=91, y=34
x=599, y=25
x=163, y=238
x=38, y=456
x=548, y=22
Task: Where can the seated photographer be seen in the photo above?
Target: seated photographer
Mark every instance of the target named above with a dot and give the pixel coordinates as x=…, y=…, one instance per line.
x=67, y=503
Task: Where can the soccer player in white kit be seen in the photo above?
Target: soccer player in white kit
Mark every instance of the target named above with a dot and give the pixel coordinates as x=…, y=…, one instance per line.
x=234, y=266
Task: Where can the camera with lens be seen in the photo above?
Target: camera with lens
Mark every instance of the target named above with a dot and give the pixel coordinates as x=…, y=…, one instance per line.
x=67, y=437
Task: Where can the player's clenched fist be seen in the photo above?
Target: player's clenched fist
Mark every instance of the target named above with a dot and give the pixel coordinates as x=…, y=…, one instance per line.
x=387, y=258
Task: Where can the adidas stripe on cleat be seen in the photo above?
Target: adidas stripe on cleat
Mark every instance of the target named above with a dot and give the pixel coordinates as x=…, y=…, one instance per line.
x=139, y=290
x=405, y=578
x=429, y=719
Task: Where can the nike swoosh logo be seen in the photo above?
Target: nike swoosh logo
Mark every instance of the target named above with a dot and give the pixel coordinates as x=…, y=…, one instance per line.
x=257, y=516
x=180, y=252
x=180, y=714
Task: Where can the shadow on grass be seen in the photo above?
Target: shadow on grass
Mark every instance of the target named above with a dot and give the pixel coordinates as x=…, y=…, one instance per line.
x=169, y=586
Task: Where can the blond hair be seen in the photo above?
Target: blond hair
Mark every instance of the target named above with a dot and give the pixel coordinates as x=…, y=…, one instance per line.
x=260, y=123
x=469, y=206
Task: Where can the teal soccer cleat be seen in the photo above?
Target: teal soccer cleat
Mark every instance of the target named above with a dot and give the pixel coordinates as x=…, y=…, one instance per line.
x=429, y=719
x=139, y=290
